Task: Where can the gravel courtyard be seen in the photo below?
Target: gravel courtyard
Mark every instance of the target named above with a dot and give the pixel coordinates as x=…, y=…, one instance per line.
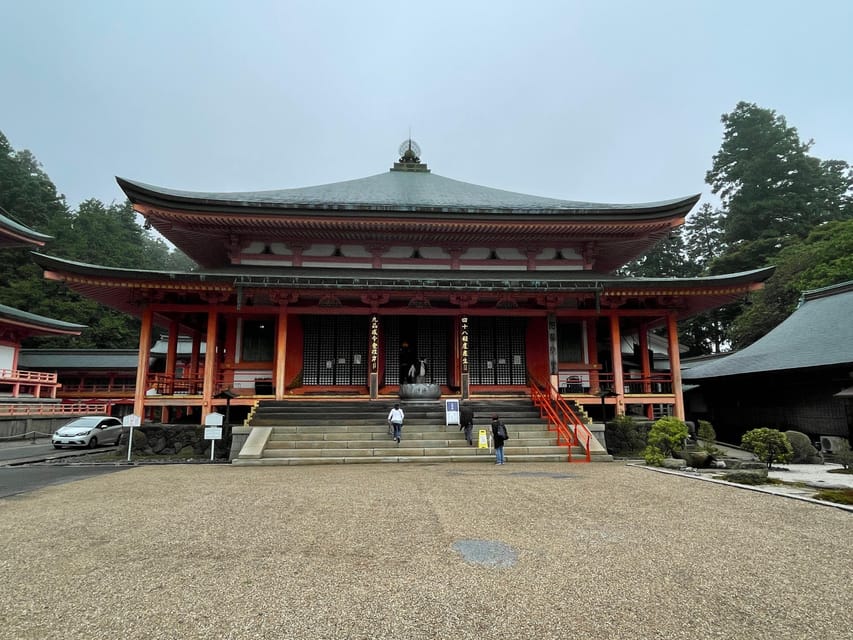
x=419, y=551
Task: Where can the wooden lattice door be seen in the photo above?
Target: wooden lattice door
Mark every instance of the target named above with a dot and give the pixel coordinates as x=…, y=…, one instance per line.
x=497, y=351
x=334, y=350
x=411, y=339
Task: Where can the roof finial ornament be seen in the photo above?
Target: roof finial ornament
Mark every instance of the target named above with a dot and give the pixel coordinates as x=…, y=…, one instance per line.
x=410, y=157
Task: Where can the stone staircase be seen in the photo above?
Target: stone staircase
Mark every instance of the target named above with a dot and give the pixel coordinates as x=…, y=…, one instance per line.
x=293, y=432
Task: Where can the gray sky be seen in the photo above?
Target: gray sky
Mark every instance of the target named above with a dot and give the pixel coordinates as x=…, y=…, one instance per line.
x=587, y=100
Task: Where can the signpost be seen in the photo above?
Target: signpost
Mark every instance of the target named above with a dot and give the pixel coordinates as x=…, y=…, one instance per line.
x=483, y=440
x=451, y=412
x=213, y=430
x=131, y=420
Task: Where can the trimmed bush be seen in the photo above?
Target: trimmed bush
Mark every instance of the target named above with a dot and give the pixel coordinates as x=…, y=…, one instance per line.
x=668, y=435
x=653, y=456
x=804, y=451
x=747, y=476
x=624, y=436
x=769, y=445
x=708, y=436
x=844, y=456
x=666, y=438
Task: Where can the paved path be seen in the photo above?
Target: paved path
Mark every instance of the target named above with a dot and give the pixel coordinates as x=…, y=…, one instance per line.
x=420, y=551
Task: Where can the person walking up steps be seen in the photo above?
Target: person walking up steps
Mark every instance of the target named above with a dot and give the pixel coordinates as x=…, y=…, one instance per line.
x=395, y=417
x=500, y=435
x=466, y=422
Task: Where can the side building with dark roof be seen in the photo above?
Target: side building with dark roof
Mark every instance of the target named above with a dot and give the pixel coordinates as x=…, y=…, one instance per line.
x=799, y=376
x=24, y=391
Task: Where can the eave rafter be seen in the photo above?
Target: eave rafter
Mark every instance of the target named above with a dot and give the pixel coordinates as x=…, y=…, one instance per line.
x=349, y=229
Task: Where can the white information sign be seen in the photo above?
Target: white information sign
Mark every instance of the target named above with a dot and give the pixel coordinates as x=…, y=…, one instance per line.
x=451, y=412
x=131, y=420
x=213, y=419
x=213, y=433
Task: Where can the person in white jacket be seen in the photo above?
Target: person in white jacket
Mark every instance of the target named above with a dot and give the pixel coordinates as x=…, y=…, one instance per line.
x=395, y=419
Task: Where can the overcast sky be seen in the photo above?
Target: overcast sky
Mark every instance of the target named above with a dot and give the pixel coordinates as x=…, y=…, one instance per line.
x=592, y=100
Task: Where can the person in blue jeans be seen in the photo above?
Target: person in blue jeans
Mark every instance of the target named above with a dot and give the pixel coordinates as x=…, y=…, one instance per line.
x=395, y=419
x=499, y=435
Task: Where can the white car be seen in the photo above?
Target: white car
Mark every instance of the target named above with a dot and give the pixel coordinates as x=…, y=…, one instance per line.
x=88, y=431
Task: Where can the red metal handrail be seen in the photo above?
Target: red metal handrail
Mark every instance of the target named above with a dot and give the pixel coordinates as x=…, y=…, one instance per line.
x=636, y=383
x=566, y=422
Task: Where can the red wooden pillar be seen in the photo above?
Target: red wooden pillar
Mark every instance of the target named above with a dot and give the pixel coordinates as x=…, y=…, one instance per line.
x=592, y=353
x=171, y=361
x=675, y=364
x=194, y=361
x=142, y=363
x=172, y=349
x=616, y=357
x=280, y=351
x=646, y=366
x=209, y=363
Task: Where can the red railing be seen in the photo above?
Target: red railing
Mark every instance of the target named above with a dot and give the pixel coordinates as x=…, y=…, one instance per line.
x=570, y=429
x=633, y=383
x=167, y=385
x=55, y=409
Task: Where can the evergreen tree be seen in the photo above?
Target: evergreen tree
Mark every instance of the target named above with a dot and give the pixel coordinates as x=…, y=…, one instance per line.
x=824, y=258
x=773, y=194
x=665, y=259
x=771, y=189
x=703, y=237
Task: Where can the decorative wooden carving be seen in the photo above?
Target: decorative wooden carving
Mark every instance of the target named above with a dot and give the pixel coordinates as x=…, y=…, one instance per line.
x=375, y=300
x=550, y=301
x=214, y=297
x=464, y=299
x=283, y=298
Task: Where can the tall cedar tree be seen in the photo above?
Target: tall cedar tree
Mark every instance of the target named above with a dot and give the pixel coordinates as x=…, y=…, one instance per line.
x=770, y=188
x=773, y=194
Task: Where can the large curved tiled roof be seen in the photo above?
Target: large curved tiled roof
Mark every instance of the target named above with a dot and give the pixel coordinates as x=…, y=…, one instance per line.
x=397, y=190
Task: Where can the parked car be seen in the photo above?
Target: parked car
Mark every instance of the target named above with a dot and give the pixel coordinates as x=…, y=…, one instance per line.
x=88, y=431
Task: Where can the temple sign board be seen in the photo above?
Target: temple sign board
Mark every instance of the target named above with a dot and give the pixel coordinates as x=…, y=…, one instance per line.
x=451, y=412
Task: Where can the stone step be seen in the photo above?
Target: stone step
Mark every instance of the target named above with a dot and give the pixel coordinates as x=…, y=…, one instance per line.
x=487, y=459
x=409, y=449
x=373, y=427
x=384, y=439
x=314, y=432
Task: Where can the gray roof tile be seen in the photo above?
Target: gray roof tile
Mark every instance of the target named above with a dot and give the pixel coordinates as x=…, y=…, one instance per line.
x=819, y=333
x=400, y=191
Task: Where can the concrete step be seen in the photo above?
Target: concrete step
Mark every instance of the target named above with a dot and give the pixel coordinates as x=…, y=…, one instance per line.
x=340, y=431
x=315, y=432
x=384, y=440
x=424, y=459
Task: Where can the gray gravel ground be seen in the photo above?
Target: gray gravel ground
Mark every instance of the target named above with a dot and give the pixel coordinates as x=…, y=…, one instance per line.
x=419, y=551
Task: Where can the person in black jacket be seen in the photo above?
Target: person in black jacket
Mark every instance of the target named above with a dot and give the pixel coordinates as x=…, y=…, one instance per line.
x=500, y=435
x=466, y=422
